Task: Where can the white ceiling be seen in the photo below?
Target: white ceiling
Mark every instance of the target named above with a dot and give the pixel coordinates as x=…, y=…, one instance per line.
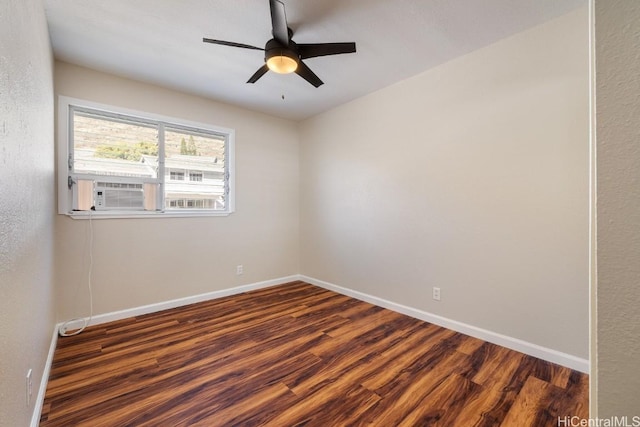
x=160, y=41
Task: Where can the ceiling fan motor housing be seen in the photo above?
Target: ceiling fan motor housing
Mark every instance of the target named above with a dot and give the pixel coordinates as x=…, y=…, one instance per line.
x=276, y=56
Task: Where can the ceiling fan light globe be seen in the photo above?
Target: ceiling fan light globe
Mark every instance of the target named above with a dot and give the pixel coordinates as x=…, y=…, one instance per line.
x=282, y=64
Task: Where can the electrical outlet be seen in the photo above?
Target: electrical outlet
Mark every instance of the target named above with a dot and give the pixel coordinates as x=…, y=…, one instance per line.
x=29, y=386
x=239, y=269
x=436, y=294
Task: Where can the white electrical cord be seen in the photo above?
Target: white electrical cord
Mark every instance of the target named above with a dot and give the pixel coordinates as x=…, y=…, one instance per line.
x=62, y=331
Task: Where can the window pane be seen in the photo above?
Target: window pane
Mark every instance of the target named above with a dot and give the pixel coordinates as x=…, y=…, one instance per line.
x=194, y=170
x=114, y=147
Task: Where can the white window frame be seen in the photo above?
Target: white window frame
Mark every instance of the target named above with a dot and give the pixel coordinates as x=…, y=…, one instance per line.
x=64, y=150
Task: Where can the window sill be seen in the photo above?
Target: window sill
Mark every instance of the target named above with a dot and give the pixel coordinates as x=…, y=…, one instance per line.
x=146, y=214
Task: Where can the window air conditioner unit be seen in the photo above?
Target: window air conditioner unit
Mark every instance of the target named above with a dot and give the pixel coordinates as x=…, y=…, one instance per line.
x=103, y=195
x=118, y=196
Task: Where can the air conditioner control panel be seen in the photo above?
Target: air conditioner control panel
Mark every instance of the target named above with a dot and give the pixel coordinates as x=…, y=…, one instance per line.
x=99, y=199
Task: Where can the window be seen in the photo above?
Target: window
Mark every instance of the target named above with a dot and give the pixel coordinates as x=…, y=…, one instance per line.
x=124, y=163
x=176, y=176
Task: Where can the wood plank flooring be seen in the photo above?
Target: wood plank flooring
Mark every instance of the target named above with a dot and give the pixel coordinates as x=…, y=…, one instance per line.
x=299, y=355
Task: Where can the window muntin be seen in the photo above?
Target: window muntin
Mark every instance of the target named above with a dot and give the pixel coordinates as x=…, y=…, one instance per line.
x=138, y=162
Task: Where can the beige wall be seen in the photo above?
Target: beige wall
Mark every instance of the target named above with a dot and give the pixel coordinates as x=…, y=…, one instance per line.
x=144, y=261
x=472, y=177
x=26, y=204
x=617, y=44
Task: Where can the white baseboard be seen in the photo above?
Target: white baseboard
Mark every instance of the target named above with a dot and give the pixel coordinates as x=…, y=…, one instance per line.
x=516, y=344
x=42, y=389
x=152, y=308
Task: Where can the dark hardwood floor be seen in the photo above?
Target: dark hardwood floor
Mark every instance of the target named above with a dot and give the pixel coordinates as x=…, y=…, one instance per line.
x=294, y=355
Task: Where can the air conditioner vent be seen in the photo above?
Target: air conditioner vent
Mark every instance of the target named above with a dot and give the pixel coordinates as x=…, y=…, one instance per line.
x=118, y=195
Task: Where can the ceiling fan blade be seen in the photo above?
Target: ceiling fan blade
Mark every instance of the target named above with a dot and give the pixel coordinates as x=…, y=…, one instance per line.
x=232, y=44
x=306, y=73
x=311, y=50
x=279, y=22
x=261, y=71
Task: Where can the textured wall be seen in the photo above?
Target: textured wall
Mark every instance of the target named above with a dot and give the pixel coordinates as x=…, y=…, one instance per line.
x=144, y=261
x=617, y=37
x=26, y=204
x=472, y=177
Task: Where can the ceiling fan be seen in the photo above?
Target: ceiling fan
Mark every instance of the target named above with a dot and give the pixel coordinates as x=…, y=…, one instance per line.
x=283, y=55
